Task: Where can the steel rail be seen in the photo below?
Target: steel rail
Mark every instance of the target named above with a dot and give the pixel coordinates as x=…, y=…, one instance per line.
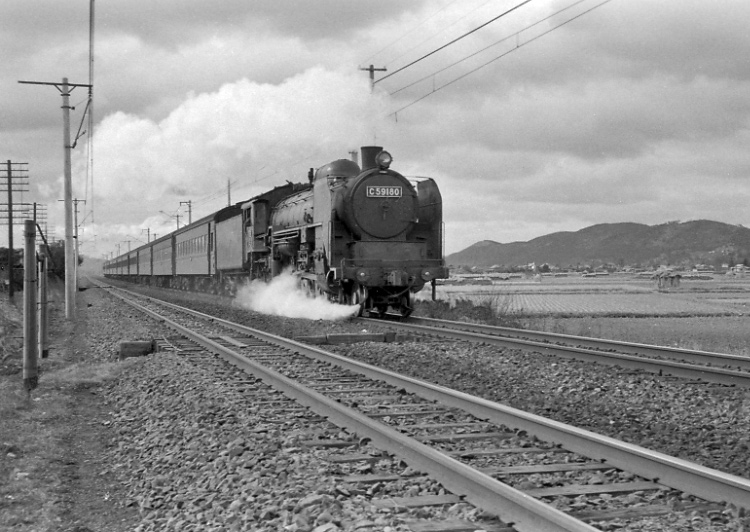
x=524, y=511
x=694, y=355
x=677, y=369
x=703, y=482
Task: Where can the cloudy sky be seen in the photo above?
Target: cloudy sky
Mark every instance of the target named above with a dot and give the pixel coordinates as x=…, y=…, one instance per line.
x=557, y=115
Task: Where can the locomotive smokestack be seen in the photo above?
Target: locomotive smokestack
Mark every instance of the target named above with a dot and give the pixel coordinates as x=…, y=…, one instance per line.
x=368, y=156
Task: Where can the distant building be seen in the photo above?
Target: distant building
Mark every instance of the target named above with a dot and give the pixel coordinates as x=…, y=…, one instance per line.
x=666, y=279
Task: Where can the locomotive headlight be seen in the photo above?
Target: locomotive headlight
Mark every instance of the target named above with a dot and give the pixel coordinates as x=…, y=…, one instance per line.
x=362, y=275
x=383, y=159
x=428, y=275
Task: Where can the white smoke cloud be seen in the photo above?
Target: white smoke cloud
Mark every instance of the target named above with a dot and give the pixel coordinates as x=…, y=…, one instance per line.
x=244, y=132
x=233, y=133
x=283, y=297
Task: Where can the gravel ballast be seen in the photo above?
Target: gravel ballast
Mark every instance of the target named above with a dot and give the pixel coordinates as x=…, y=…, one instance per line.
x=196, y=452
x=704, y=423
x=186, y=452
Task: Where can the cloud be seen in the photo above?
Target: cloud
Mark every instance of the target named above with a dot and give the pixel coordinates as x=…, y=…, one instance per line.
x=244, y=131
x=637, y=111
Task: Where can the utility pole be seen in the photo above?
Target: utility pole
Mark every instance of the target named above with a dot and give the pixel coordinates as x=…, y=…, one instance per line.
x=40, y=218
x=371, y=69
x=189, y=203
x=175, y=216
x=43, y=349
x=13, y=186
x=30, y=333
x=76, y=201
x=148, y=234
x=90, y=142
x=70, y=282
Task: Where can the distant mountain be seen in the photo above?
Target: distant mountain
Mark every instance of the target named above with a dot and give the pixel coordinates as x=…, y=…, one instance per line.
x=622, y=244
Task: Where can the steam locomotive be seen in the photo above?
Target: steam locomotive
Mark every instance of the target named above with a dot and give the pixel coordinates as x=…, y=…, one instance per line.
x=362, y=236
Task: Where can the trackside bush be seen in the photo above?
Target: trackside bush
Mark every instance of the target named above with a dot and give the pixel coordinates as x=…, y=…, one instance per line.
x=494, y=310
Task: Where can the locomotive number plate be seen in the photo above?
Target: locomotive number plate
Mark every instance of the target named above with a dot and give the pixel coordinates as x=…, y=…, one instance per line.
x=384, y=192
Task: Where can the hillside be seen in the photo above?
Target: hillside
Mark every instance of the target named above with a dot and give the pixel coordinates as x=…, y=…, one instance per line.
x=622, y=244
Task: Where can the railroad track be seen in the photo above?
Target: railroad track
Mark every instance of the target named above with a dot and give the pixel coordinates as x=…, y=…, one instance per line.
x=705, y=366
x=519, y=466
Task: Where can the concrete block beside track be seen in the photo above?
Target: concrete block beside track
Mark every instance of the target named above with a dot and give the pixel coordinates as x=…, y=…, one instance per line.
x=136, y=349
x=351, y=338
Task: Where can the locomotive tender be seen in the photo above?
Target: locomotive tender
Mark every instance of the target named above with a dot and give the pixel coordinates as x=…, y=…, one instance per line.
x=363, y=236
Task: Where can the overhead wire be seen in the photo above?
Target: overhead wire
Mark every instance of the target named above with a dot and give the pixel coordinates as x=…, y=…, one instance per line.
x=518, y=46
x=516, y=34
x=409, y=31
x=207, y=199
x=456, y=21
x=453, y=41
x=287, y=166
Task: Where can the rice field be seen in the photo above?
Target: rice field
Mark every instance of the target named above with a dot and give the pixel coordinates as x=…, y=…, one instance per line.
x=708, y=315
x=615, y=296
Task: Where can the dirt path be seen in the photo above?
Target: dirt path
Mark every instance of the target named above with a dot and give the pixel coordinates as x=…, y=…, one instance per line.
x=54, y=474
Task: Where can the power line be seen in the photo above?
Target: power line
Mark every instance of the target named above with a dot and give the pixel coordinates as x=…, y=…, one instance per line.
x=410, y=31
x=459, y=19
x=516, y=34
x=206, y=199
x=453, y=41
x=518, y=46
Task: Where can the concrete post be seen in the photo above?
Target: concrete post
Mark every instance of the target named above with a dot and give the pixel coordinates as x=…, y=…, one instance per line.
x=30, y=335
x=43, y=304
x=70, y=267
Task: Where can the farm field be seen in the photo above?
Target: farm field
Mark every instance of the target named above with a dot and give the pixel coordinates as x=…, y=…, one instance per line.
x=616, y=296
x=709, y=315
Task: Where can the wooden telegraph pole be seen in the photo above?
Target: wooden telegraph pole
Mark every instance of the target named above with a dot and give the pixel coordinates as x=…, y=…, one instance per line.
x=65, y=89
x=371, y=69
x=17, y=179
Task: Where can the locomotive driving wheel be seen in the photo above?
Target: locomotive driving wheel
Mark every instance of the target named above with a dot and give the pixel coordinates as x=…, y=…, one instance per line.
x=359, y=297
